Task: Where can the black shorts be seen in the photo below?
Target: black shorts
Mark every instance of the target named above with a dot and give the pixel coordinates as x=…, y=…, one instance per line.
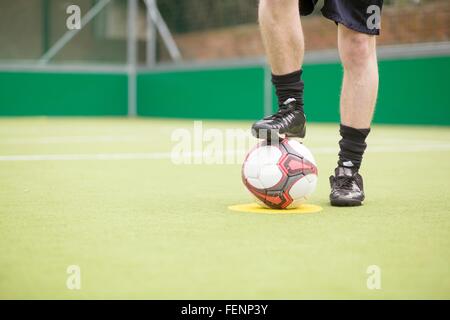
x=359, y=15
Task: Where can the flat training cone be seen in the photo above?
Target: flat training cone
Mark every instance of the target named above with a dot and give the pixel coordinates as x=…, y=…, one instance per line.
x=256, y=208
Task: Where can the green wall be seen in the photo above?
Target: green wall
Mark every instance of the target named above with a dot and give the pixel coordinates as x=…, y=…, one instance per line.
x=412, y=91
x=228, y=93
x=60, y=94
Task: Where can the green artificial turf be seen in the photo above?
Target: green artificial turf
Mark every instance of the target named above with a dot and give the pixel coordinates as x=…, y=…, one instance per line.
x=147, y=228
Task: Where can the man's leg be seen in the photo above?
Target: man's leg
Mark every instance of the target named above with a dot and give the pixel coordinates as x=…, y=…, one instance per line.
x=282, y=36
x=360, y=85
x=359, y=93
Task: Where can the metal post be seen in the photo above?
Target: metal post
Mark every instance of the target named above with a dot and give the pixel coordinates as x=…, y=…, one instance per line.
x=132, y=56
x=151, y=40
x=163, y=30
x=267, y=91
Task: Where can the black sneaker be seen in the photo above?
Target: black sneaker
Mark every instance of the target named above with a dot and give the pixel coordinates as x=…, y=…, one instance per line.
x=346, y=187
x=288, y=121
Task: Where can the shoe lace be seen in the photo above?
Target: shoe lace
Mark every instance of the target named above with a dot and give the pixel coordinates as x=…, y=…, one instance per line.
x=345, y=182
x=282, y=111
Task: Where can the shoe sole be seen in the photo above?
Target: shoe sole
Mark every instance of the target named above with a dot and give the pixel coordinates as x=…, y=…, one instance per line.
x=300, y=135
x=345, y=203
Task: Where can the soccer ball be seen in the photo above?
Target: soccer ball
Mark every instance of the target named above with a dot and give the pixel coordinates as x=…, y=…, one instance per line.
x=280, y=174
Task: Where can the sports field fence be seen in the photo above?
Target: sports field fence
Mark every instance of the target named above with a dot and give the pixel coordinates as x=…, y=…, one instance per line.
x=148, y=47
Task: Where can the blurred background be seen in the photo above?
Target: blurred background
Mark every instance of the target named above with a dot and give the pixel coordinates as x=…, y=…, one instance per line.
x=141, y=44
x=203, y=29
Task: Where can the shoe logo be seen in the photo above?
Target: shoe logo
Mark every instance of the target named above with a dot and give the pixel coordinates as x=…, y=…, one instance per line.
x=348, y=164
x=289, y=101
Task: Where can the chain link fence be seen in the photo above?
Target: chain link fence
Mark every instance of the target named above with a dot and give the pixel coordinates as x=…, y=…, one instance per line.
x=202, y=29
x=227, y=29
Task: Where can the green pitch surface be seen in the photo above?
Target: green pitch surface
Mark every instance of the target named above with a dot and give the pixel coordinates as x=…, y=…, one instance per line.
x=103, y=194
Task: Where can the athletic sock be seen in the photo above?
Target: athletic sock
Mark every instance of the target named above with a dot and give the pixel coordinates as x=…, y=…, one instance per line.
x=353, y=144
x=289, y=86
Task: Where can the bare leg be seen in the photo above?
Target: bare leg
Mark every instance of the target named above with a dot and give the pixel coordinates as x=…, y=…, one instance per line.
x=282, y=34
x=360, y=85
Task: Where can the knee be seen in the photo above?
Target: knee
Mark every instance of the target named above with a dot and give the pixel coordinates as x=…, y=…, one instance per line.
x=356, y=49
x=275, y=9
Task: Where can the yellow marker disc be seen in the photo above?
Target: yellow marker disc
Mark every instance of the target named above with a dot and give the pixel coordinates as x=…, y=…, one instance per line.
x=256, y=208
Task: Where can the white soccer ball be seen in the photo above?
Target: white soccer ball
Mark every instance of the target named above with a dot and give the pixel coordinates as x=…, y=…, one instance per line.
x=281, y=174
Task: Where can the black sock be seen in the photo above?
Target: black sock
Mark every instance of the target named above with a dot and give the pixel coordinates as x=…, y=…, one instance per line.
x=353, y=144
x=288, y=86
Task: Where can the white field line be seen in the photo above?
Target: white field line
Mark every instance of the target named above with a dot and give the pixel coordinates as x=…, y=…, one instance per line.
x=143, y=138
x=168, y=155
x=73, y=139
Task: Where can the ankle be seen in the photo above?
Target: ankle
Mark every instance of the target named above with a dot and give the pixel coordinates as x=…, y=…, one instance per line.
x=289, y=89
x=352, y=147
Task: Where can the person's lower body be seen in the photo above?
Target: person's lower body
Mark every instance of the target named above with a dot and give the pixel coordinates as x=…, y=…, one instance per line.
x=358, y=24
